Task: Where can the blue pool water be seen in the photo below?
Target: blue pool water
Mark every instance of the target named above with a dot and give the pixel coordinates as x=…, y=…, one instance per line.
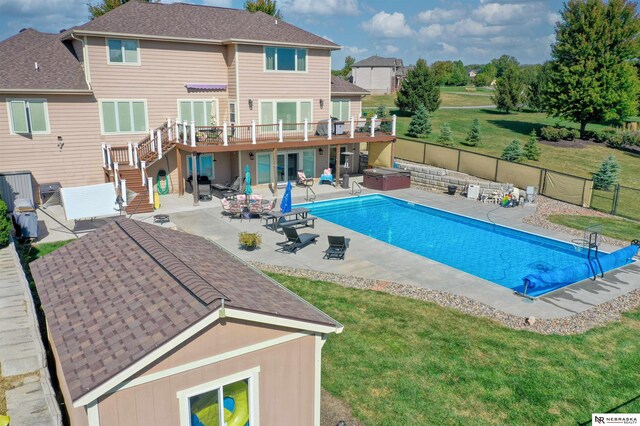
x=492, y=252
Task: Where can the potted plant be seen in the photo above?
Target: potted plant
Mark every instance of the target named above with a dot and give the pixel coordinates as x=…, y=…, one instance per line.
x=249, y=240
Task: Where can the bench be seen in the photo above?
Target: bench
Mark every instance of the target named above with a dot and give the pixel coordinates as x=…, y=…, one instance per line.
x=295, y=222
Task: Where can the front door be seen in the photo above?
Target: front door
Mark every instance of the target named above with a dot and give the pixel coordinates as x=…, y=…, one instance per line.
x=288, y=166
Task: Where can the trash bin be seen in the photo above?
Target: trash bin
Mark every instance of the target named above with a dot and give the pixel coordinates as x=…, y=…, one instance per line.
x=345, y=181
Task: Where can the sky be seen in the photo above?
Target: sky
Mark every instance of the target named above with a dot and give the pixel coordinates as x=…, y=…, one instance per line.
x=474, y=31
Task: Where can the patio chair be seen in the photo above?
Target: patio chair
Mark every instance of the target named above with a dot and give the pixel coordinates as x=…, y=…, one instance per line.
x=231, y=209
x=296, y=241
x=268, y=206
x=204, y=191
x=255, y=204
x=337, y=247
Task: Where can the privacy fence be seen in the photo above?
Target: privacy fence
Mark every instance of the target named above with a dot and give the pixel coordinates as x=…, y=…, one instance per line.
x=560, y=186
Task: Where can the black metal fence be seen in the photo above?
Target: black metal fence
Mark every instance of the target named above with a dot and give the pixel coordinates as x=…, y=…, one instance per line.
x=619, y=200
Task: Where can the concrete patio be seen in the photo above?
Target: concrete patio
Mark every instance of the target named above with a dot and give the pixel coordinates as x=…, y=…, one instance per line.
x=373, y=259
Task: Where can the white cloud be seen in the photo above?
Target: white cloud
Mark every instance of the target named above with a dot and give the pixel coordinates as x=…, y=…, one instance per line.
x=390, y=49
x=447, y=48
x=500, y=14
x=387, y=25
x=552, y=18
x=438, y=15
x=469, y=27
x=354, y=50
x=431, y=32
x=219, y=3
x=324, y=7
x=327, y=38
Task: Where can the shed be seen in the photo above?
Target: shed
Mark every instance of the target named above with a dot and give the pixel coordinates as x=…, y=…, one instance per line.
x=16, y=185
x=154, y=326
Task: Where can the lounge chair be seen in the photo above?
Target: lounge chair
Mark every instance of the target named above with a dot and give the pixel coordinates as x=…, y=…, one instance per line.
x=296, y=241
x=337, y=247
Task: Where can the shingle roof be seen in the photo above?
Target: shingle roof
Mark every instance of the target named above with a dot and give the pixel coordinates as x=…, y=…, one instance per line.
x=180, y=20
x=378, y=61
x=340, y=85
x=58, y=68
x=118, y=293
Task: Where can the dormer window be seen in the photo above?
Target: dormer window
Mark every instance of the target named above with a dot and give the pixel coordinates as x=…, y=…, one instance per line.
x=123, y=52
x=285, y=59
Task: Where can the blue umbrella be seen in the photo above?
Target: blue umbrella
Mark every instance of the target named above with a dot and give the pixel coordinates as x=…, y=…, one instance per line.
x=247, y=180
x=285, y=204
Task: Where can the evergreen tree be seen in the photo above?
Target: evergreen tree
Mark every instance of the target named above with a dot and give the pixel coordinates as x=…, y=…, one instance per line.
x=458, y=74
x=445, y=137
x=418, y=88
x=381, y=112
x=269, y=7
x=104, y=6
x=607, y=174
x=509, y=89
x=474, y=138
x=591, y=76
x=531, y=148
x=513, y=152
x=420, y=125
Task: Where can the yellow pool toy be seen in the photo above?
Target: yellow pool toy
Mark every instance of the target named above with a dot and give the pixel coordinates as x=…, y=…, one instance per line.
x=207, y=412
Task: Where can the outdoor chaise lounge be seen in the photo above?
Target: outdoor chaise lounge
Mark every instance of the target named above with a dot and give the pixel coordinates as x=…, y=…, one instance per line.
x=296, y=241
x=337, y=247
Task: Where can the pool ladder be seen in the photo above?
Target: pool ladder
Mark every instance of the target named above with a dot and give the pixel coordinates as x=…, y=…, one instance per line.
x=355, y=191
x=593, y=244
x=311, y=197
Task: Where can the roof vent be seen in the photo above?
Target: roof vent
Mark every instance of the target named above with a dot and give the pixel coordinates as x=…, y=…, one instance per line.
x=36, y=66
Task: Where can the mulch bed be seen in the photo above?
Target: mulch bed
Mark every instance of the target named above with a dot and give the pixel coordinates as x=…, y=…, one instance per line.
x=576, y=143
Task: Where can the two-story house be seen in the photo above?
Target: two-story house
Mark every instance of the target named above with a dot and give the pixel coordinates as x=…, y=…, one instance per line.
x=220, y=88
x=379, y=75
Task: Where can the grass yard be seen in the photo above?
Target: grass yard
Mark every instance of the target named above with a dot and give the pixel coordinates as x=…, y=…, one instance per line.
x=620, y=229
x=450, y=96
x=401, y=361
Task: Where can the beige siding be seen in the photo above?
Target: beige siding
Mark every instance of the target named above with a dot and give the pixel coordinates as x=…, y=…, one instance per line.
x=257, y=84
x=377, y=80
x=75, y=119
x=160, y=79
x=231, y=77
x=286, y=378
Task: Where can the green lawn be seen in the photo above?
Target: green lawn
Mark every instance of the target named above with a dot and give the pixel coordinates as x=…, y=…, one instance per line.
x=449, y=96
x=620, y=229
x=401, y=361
x=499, y=129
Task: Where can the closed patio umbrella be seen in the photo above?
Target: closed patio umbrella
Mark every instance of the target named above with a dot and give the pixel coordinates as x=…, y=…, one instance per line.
x=285, y=204
x=247, y=180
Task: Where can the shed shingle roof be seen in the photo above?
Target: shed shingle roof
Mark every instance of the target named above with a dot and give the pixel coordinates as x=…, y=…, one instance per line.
x=378, y=61
x=178, y=20
x=115, y=295
x=340, y=85
x=58, y=68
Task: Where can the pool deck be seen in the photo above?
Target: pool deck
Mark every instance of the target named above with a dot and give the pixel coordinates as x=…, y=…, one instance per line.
x=373, y=259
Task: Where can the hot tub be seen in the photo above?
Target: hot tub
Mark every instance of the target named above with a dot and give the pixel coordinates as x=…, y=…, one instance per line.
x=386, y=179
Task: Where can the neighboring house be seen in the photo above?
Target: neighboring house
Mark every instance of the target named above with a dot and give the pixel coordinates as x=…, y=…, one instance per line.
x=379, y=75
x=150, y=326
x=472, y=73
x=80, y=101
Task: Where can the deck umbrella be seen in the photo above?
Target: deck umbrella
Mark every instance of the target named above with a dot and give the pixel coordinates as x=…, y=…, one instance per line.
x=285, y=204
x=247, y=180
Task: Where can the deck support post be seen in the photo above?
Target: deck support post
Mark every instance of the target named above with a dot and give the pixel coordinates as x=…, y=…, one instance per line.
x=184, y=132
x=180, y=172
x=123, y=192
x=280, y=131
x=130, y=153
x=225, y=133
x=337, y=165
x=135, y=155
x=108, y=157
x=274, y=170
x=253, y=132
x=193, y=133
x=306, y=130
x=150, y=186
x=159, y=141
x=393, y=125
x=116, y=176
x=169, y=130
x=352, y=127
x=329, y=132
x=194, y=179
x=143, y=172
x=373, y=125
x=176, y=133
x=151, y=141
x=104, y=155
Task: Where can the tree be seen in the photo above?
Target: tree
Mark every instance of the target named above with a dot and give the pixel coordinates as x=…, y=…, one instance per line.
x=474, y=138
x=418, y=88
x=381, y=113
x=420, y=125
x=269, y=7
x=607, y=174
x=513, y=152
x=534, y=93
x=104, y=6
x=458, y=75
x=509, y=89
x=441, y=71
x=591, y=76
x=5, y=225
x=346, y=69
x=503, y=63
x=445, y=137
x=531, y=148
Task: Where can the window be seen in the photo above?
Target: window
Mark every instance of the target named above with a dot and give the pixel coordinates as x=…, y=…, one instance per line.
x=285, y=59
x=287, y=111
x=232, y=113
x=28, y=116
x=199, y=111
x=123, y=52
x=231, y=400
x=205, y=166
x=263, y=168
x=123, y=116
x=340, y=109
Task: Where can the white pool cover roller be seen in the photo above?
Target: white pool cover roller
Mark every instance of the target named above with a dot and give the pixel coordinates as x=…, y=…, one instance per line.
x=86, y=202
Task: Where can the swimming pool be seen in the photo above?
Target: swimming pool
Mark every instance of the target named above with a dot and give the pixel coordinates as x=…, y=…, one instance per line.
x=495, y=253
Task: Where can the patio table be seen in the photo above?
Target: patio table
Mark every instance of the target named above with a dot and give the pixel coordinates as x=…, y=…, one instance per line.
x=273, y=219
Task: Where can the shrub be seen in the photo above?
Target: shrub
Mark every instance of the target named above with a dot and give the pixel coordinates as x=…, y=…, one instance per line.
x=445, y=137
x=5, y=225
x=551, y=134
x=474, y=138
x=420, y=125
x=531, y=148
x=574, y=134
x=513, y=152
x=249, y=239
x=607, y=174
